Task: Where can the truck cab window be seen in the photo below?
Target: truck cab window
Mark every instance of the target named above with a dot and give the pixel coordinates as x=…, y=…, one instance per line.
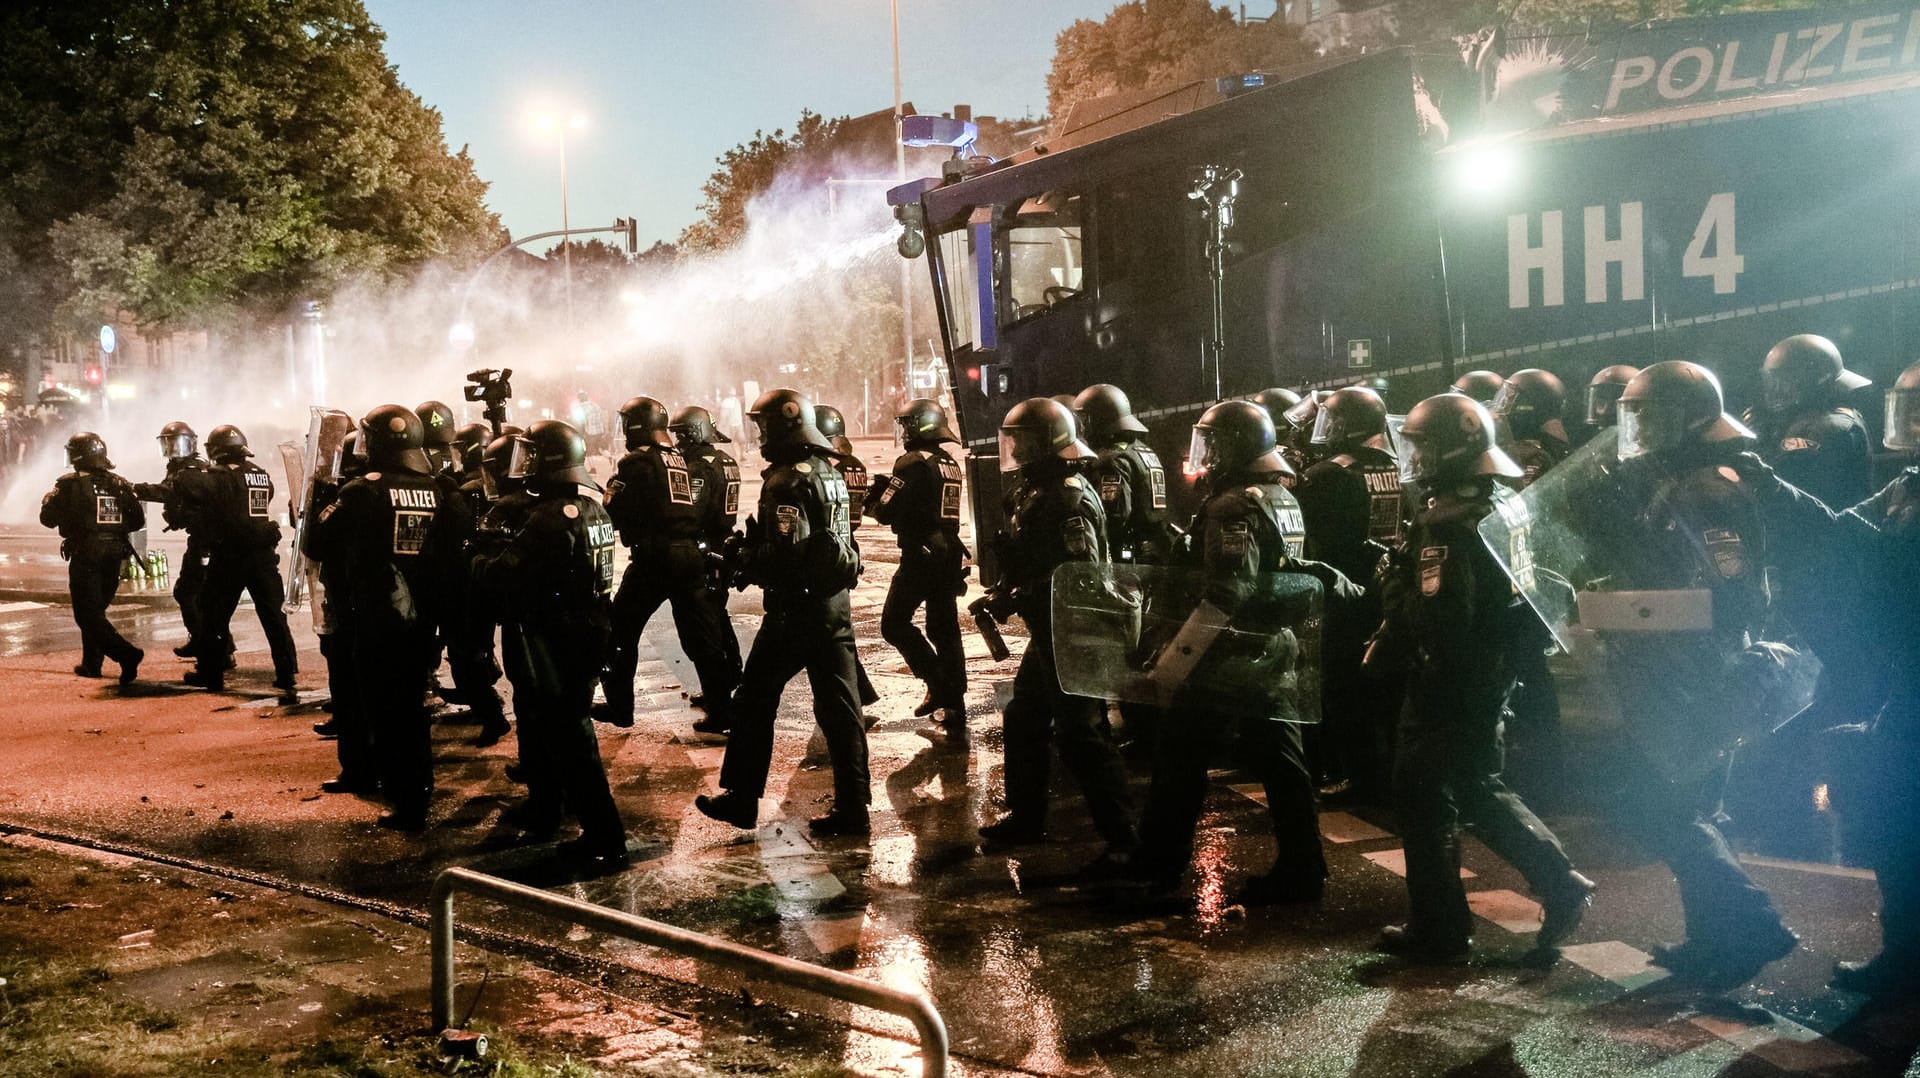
x=1044, y=265
x=957, y=273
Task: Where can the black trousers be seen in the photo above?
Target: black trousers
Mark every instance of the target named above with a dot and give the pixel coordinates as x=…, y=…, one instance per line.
x=702, y=629
x=1878, y=796
x=1272, y=752
x=189, y=584
x=936, y=657
x=1447, y=772
x=553, y=675
x=391, y=667
x=256, y=571
x=93, y=576
x=1041, y=718
x=814, y=635
x=353, y=740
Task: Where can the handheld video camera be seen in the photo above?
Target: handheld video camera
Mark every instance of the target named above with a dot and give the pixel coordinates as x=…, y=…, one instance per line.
x=493, y=389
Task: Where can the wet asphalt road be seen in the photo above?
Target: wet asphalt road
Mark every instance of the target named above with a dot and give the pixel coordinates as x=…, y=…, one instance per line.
x=1033, y=972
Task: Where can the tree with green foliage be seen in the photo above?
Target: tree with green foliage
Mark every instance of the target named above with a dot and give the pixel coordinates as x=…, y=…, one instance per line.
x=201, y=162
x=803, y=158
x=1162, y=44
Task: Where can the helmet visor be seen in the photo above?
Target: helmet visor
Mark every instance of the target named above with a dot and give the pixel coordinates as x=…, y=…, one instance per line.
x=520, y=464
x=1505, y=401
x=1782, y=392
x=1301, y=416
x=1411, y=460
x=176, y=446
x=1903, y=419
x=1326, y=429
x=1603, y=402
x=1199, y=451
x=1650, y=427
x=1019, y=448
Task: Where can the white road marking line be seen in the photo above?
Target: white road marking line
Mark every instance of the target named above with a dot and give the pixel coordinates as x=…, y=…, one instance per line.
x=1781, y=1041
x=1624, y=965
x=1346, y=827
x=1815, y=867
x=1252, y=791
x=1395, y=861
x=20, y=607
x=1510, y=910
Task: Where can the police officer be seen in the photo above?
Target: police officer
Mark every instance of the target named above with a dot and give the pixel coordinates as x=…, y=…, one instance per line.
x=651, y=500
x=799, y=549
x=181, y=495
x=1130, y=477
x=920, y=501
x=1603, y=394
x=1248, y=529
x=380, y=533
x=438, y=422
x=553, y=581
x=1352, y=504
x=1452, y=612
x=1277, y=402
x=1056, y=518
x=1807, y=433
x=1529, y=409
x=1481, y=386
x=95, y=510
x=834, y=426
x=335, y=630
x=716, y=493
x=242, y=555
x=1696, y=526
x=469, y=447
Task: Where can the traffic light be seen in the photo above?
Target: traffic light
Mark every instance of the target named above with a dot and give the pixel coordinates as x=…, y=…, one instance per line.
x=94, y=374
x=629, y=227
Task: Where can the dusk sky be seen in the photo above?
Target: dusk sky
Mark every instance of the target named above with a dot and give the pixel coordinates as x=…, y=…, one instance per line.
x=668, y=85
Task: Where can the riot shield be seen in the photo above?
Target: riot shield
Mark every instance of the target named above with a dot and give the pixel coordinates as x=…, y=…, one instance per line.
x=1172, y=638
x=1639, y=616
x=317, y=461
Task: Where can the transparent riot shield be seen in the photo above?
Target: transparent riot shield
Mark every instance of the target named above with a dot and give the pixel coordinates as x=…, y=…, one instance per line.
x=315, y=462
x=1170, y=637
x=1638, y=613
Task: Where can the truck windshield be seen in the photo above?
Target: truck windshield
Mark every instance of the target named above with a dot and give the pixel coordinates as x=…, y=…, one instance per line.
x=1043, y=254
x=962, y=283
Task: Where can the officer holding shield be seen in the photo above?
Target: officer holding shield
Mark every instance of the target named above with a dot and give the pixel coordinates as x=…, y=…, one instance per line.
x=181, y=495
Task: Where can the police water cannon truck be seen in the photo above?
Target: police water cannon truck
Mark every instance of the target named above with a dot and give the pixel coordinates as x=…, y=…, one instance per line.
x=1693, y=189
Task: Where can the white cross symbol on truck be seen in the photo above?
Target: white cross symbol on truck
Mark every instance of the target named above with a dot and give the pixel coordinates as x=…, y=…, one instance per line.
x=1359, y=353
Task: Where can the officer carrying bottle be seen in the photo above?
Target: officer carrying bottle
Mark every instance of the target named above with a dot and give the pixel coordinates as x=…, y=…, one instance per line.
x=799, y=549
x=552, y=579
x=181, y=496
x=95, y=510
x=716, y=494
x=920, y=501
x=1056, y=518
x=1451, y=620
x=243, y=555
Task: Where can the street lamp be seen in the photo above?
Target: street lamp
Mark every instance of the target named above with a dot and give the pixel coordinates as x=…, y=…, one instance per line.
x=900, y=174
x=547, y=121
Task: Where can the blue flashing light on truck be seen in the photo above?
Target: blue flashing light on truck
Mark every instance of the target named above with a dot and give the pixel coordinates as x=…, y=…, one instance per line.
x=1697, y=189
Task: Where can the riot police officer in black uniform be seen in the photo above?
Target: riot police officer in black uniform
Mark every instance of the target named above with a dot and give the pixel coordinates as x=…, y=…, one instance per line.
x=95, y=510
x=834, y=426
x=920, y=501
x=335, y=629
x=438, y=422
x=1482, y=386
x=1277, y=402
x=1451, y=613
x=553, y=581
x=380, y=535
x=1530, y=410
x=716, y=494
x=1603, y=394
x=1353, y=507
x=181, y=506
x=1696, y=526
x=799, y=549
x=1249, y=529
x=1131, y=479
x=651, y=500
x=1056, y=518
x=1807, y=432
x=242, y=555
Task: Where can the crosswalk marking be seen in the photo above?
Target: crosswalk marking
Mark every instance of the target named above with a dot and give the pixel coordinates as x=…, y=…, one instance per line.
x=1346, y=827
x=1510, y=910
x=20, y=607
x=1624, y=965
x=1395, y=861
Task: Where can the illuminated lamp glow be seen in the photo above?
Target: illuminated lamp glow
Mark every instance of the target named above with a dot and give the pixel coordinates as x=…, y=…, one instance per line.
x=121, y=391
x=1486, y=169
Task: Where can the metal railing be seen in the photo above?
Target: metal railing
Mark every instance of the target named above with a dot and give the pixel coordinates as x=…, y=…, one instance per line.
x=833, y=984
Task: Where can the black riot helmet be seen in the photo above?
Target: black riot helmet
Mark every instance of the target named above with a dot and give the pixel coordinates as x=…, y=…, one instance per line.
x=470, y=441
x=497, y=459
x=693, y=425
x=391, y=437
x=1529, y=401
x=177, y=441
x=1106, y=415
x=785, y=418
x=353, y=463
x=1482, y=386
x=1448, y=439
x=1903, y=411
x=1804, y=372
x=1277, y=402
x=552, y=451
x=645, y=421
x=1673, y=405
x=1350, y=417
x=1039, y=429
x=829, y=421
x=1603, y=393
x=438, y=421
x=227, y=443
x=88, y=452
x=924, y=422
x=1235, y=438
